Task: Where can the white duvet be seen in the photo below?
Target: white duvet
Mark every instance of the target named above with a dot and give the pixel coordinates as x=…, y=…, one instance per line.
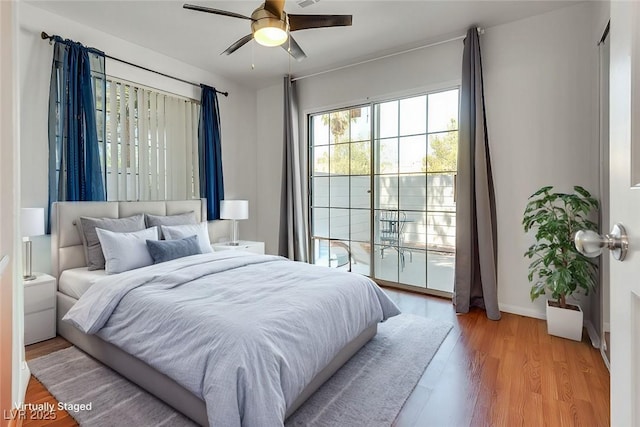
x=246, y=333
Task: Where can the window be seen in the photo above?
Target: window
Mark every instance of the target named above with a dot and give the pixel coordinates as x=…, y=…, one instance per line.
x=382, y=189
x=151, y=145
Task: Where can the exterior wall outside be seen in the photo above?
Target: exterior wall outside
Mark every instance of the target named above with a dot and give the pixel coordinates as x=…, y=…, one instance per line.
x=433, y=230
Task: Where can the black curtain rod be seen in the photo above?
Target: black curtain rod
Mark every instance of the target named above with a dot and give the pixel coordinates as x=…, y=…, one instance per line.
x=46, y=36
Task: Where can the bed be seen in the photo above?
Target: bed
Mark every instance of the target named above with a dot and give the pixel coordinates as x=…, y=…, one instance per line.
x=69, y=264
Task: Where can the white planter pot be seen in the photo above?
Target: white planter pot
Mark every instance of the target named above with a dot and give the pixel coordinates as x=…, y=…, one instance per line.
x=565, y=323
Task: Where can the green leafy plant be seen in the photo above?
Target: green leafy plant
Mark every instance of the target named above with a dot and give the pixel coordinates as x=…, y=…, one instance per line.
x=557, y=266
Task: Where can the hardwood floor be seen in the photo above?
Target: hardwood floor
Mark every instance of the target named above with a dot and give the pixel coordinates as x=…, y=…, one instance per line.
x=486, y=373
x=504, y=373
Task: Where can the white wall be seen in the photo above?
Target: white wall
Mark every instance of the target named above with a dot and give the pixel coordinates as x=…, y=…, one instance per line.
x=540, y=88
x=270, y=153
x=541, y=98
x=238, y=111
x=419, y=71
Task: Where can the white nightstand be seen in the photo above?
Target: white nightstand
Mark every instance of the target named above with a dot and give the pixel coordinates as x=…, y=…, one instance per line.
x=39, y=309
x=244, y=245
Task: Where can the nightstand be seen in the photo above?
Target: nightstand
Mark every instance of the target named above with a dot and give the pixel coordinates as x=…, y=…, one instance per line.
x=244, y=245
x=39, y=309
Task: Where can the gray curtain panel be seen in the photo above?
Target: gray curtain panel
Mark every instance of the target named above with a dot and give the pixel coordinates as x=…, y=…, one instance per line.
x=476, y=243
x=293, y=211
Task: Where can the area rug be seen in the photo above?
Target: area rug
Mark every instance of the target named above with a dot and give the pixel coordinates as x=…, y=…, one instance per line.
x=369, y=390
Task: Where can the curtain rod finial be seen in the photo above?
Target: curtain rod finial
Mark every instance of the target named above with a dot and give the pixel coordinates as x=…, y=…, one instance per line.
x=480, y=30
x=45, y=36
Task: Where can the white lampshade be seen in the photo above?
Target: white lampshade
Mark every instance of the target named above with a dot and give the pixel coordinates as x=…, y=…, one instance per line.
x=234, y=209
x=32, y=222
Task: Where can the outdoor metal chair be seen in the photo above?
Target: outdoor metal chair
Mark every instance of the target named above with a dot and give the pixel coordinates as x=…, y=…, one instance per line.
x=391, y=227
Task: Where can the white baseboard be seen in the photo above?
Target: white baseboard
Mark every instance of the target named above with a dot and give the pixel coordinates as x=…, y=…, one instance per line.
x=593, y=335
x=521, y=311
x=604, y=358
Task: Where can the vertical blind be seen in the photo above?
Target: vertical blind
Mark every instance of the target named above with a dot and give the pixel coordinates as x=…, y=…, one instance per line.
x=152, y=144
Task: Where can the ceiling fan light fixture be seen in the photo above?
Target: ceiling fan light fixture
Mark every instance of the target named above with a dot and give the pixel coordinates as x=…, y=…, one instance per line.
x=270, y=31
x=270, y=25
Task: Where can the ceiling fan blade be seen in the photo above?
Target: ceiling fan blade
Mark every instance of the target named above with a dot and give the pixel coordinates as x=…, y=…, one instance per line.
x=215, y=11
x=294, y=49
x=304, y=22
x=275, y=7
x=237, y=45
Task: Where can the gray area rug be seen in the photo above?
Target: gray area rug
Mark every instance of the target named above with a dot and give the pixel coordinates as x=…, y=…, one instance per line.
x=73, y=377
x=369, y=390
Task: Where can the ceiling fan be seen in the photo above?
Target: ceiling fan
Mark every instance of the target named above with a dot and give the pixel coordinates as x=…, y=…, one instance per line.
x=271, y=25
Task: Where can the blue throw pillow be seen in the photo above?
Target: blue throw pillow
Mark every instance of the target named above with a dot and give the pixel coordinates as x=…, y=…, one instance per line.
x=166, y=250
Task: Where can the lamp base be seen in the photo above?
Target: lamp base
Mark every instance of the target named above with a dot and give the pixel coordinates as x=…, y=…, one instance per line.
x=27, y=273
x=235, y=241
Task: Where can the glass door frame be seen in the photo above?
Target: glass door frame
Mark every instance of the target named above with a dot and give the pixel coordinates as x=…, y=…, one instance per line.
x=372, y=192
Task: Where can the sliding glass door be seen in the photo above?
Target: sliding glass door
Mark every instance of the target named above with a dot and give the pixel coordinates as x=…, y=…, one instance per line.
x=340, y=196
x=382, y=189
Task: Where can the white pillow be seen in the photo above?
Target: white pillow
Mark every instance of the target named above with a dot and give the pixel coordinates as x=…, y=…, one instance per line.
x=174, y=232
x=126, y=251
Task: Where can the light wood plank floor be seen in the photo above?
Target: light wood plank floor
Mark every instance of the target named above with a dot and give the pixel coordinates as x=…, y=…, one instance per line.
x=486, y=373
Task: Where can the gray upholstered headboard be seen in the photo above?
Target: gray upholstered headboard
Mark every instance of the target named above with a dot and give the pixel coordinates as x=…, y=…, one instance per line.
x=66, y=245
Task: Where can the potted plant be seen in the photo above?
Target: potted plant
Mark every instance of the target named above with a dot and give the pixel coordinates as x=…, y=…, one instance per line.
x=557, y=266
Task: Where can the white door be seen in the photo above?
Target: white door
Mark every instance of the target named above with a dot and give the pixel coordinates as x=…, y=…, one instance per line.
x=625, y=208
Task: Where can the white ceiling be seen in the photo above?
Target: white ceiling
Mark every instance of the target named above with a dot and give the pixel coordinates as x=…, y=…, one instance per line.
x=379, y=27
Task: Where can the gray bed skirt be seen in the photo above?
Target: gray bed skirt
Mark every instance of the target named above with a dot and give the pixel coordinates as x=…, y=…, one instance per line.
x=167, y=389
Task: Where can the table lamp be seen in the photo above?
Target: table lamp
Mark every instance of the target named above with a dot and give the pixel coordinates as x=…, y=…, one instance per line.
x=234, y=210
x=31, y=224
